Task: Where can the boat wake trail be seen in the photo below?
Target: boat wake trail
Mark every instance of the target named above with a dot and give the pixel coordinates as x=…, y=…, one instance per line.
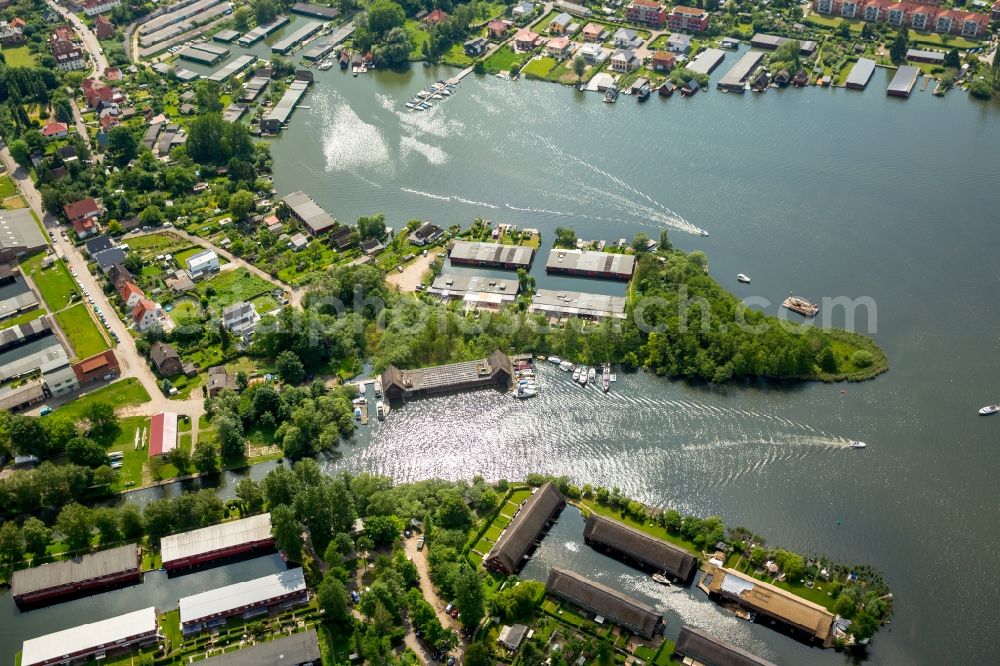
x=520, y=209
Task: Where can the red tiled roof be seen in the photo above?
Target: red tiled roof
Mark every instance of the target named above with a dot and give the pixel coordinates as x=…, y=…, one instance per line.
x=646, y=3
x=92, y=364
x=128, y=290
x=55, y=128
x=84, y=224
x=688, y=10
x=81, y=208
x=435, y=16
x=109, y=121
x=142, y=307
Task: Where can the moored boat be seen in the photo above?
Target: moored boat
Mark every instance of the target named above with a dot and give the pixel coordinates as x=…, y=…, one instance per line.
x=576, y=375
x=555, y=360
x=565, y=366
x=606, y=377
x=989, y=409
x=381, y=410
x=591, y=374
x=378, y=388
x=742, y=277
x=584, y=373
x=661, y=579
x=800, y=306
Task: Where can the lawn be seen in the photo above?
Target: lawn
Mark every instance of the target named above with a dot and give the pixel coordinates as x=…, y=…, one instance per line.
x=19, y=57
x=264, y=304
x=502, y=60
x=651, y=529
x=417, y=37
x=539, y=68
x=158, y=243
x=232, y=286
x=55, y=283
x=81, y=330
x=456, y=56
x=22, y=318
x=130, y=473
x=124, y=393
x=7, y=187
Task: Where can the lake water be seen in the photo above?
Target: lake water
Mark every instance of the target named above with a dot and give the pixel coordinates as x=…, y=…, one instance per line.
x=824, y=192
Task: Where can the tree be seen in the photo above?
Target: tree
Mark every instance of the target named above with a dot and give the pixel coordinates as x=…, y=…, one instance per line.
x=287, y=532
x=75, y=523
x=229, y=431
x=332, y=599
x=37, y=536
x=240, y=205
x=28, y=436
x=103, y=420
x=826, y=360
x=265, y=11
x=242, y=18
x=394, y=49
x=250, y=496
x=452, y=513
x=897, y=51
x=289, y=368
x=123, y=145
x=844, y=29
x=862, y=358
x=21, y=153
x=85, y=451
x=478, y=654
x=132, y=523
x=11, y=543
x=469, y=596
x=151, y=216
x=383, y=16
x=60, y=430
x=867, y=31
x=579, y=67
x=383, y=530
x=106, y=523
x=952, y=59
x=565, y=237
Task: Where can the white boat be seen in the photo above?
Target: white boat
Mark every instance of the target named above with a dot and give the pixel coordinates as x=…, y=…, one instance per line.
x=989, y=409
x=411, y=105
x=381, y=410
x=565, y=366
x=576, y=375
x=357, y=413
x=555, y=360
x=592, y=374
x=661, y=579
x=855, y=444
x=523, y=393
x=742, y=277
x=359, y=401
x=378, y=388
x=702, y=232
x=606, y=377
x=583, y=376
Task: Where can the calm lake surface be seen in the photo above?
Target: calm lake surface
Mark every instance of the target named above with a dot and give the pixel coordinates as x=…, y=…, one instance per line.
x=825, y=193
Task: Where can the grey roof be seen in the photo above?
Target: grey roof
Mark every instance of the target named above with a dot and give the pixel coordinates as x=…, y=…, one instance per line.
x=456, y=285
x=108, y=258
x=761, y=40
x=149, y=138
x=860, y=74
x=492, y=254
x=215, y=538
x=232, y=67
x=262, y=31
x=598, y=264
x=706, y=61
x=604, y=601
x=248, y=594
x=738, y=73
x=10, y=398
x=226, y=36
x=711, y=651
x=281, y=111
x=902, y=82
x=315, y=10
x=291, y=650
x=309, y=212
x=922, y=54
x=15, y=297
x=30, y=356
x=95, y=245
x=576, y=303
x=18, y=229
x=15, y=336
x=308, y=29
x=637, y=545
x=181, y=12
x=522, y=533
x=199, y=54
x=94, y=566
x=113, y=631
x=482, y=372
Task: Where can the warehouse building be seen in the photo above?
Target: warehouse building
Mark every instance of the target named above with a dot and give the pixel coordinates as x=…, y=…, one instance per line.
x=217, y=541
x=93, y=640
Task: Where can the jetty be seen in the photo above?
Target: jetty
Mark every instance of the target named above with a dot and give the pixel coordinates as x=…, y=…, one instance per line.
x=904, y=80
x=278, y=116
x=860, y=74
x=262, y=31
x=286, y=45
x=736, y=78
x=234, y=67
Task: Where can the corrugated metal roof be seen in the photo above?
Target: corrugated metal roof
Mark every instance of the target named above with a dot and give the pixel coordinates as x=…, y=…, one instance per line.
x=215, y=538
x=88, y=636
x=239, y=595
x=86, y=567
x=295, y=649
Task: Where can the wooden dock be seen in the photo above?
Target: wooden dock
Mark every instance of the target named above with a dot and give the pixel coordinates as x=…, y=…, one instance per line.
x=364, y=413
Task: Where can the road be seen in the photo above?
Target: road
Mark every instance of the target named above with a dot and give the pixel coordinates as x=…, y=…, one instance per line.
x=88, y=38
x=430, y=595
x=81, y=127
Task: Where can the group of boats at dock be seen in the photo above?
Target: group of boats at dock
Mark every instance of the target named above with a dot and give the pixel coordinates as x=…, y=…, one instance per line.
x=422, y=101
x=361, y=405
x=526, y=378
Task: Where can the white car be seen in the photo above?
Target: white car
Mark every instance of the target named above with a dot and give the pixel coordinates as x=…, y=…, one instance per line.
x=73, y=272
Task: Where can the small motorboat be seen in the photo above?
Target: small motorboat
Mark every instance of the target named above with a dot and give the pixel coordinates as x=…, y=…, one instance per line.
x=357, y=413
x=855, y=444
x=989, y=409
x=702, y=232
x=584, y=374
x=591, y=374
x=661, y=579
x=743, y=277
x=381, y=410
x=566, y=366
x=576, y=375
x=524, y=393
x=555, y=360
x=378, y=388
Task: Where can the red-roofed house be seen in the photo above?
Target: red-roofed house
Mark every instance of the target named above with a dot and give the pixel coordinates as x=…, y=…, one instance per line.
x=146, y=314
x=81, y=209
x=162, y=434
x=688, y=18
x=103, y=28
x=663, y=61
x=55, y=130
x=63, y=33
x=497, y=29
x=592, y=32
x=435, y=17
x=96, y=92
x=131, y=294
x=18, y=22
x=95, y=7
x=104, y=366
x=647, y=12
x=113, y=74
x=526, y=40
x=557, y=47
x=86, y=227
x=108, y=121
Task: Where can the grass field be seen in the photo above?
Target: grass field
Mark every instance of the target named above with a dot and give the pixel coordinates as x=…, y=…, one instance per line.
x=502, y=60
x=456, y=56
x=55, y=283
x=82, y=331
x=539, y=68
x=19, y=57
x=233, y=286
x=417, y=37
x=22, y=318
x=130, y=473
x=7, y=187
x=124, y=393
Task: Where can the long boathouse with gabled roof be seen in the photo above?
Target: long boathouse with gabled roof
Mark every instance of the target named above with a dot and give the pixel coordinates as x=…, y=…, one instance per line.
x=492, y=255
x=604, y=602
x=495, y=371
x=214, y=542
x=590, y=263
x=105, y=568
x=522, y=535
x=638, y=548
x=702, y=647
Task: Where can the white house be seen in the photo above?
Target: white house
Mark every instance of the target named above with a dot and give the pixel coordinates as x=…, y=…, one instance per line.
x=95, y=7
x=147, y=314
x=241, y=319
x=131, y=295
x=204, y=263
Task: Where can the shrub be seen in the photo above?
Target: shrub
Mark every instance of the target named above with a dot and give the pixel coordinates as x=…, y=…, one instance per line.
x=862, y=359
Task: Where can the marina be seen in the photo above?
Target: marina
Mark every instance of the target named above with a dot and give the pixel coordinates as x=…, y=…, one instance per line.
x=425, y=99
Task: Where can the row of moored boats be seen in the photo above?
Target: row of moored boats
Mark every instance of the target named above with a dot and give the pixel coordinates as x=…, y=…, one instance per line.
x=424, y=99
x=583, y=374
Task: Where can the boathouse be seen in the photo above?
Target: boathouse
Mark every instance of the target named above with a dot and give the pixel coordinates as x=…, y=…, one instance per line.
x=216, y=541
x=860, y=74
x=316, y=220
x=532, y=519
x=476, y=291
x=703, y=648
x=638, y=548
x=247, y=599
x=903, y=81
x=561, y=303
x=588, y=263
x=105, y=568
x=494, y=255
x=301, y=649
x=495, y=371
x=804, y=619
x=93, y=640
x=604, y=602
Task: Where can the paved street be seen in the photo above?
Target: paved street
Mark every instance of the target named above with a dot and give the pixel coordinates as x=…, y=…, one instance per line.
x=89, y=39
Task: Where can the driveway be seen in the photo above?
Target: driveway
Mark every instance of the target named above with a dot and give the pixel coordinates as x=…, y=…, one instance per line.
x=419, y=558
x=412, y=273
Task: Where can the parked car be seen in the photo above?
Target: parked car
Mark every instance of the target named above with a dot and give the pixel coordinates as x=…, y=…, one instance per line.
x=420, y=543
x=447, y=609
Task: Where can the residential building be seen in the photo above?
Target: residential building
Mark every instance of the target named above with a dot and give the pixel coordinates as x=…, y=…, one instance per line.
x=298, y=242
x=497, y=29
x=475, y=47
x=68, y=56
x=131, y=294
x=623, y=61
x=560, y=24
x=107, y=259
x=10, y=34
x=662, y=61
x=162, y=434
x=118, y=275
x=241, y=320
x=19, y=235
x=79, y=210
x=511, y=636
x=523, y=10
x=203, y=264
x=593, y=32
x=647, y=12
x=435, y=16
x=426, y=234
x=86, y=227
x=147, y=314
x=103, y=28
x=532, y=519
x=592, y=53
x=688, y=18
x=95, y=7
x=557, y=47
x=59, y=378
x=526, y=40
x=919, y=15
x=103, y=367
x=572, y=8
x=627, y=39
x=165, y=358
x=219, y=379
